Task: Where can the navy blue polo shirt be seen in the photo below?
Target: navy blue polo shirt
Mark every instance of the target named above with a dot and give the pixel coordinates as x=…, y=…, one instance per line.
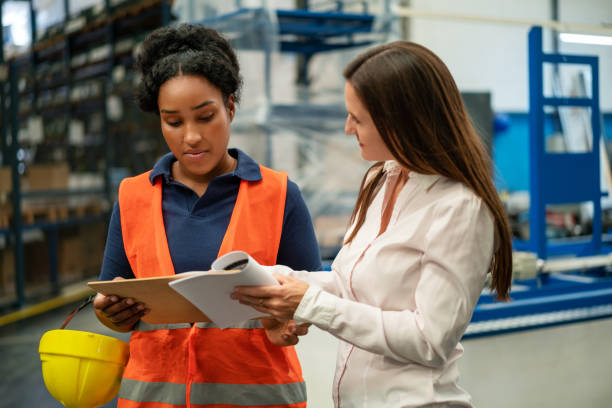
x=195, y=226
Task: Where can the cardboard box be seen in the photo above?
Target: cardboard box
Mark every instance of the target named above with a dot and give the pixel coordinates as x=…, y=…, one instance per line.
x=70, y=258
x=93, y=240
x=36, y=262
x=6, y=181
x=7, y=272
x=6, y=211
x=53, y=176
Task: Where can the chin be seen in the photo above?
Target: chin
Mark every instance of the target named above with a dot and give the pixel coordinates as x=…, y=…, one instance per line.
x=368, y=157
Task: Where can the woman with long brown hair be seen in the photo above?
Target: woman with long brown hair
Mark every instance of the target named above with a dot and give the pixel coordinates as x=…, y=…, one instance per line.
x=427, y=228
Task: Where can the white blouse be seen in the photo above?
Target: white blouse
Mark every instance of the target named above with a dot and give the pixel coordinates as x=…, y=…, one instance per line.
x=400, y=302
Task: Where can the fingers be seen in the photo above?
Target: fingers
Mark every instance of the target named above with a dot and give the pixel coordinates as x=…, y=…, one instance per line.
x=101, y=301
x=290, y=340
x=256, y=291
x=250, y=300
x=125, y=311
x=282, y=279
x=120, y=311
x=274, y=306
x=302, y=329
x=284, y=340
x=297, y=329
x=283, y=333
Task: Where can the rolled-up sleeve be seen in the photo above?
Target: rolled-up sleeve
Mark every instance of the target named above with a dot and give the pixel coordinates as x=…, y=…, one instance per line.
x=458, y=246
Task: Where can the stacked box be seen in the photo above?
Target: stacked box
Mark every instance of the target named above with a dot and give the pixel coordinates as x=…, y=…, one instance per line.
x=52, y=176
x=7, y=272
x=93, y=241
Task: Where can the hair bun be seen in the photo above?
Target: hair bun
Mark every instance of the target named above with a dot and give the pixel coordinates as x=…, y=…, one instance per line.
x=186, y=49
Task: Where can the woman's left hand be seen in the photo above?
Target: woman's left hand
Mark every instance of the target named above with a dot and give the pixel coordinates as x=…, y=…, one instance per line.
x=278, y=301
x=283, y=333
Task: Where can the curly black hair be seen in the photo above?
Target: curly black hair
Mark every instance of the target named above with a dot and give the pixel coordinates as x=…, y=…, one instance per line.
x=185, y=49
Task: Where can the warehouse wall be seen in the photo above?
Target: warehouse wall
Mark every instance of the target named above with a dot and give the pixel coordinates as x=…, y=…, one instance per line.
x=511, y=150
x=487, y=56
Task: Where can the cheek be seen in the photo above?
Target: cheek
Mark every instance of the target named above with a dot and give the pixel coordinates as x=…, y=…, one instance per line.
x=222, y=130
x=168, y=133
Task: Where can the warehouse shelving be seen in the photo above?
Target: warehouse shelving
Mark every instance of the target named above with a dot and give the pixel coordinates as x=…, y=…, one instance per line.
x=561, y=178
x=66, y=78
x=571, y=280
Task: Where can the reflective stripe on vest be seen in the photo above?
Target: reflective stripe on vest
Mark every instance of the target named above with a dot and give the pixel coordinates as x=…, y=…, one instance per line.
x=164, y=392
x=203, y=363
x=214, y=394
x=249, y=324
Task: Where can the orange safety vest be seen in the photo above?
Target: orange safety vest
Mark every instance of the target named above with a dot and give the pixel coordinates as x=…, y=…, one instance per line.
x=201, y=365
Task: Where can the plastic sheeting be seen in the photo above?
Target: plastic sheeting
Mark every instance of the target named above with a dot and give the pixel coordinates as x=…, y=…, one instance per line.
x=286, y=126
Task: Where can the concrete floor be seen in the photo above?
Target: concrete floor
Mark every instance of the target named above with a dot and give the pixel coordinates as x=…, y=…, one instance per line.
x=564, y=366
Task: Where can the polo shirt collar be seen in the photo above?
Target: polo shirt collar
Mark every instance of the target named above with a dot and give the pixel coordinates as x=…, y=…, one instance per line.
x=246, y=168
x=425, y=181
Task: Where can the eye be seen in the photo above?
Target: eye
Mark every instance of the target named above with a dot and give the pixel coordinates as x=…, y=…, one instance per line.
x=206, y=118
x=174, y=123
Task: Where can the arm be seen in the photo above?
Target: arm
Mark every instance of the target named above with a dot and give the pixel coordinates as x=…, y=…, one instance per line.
x=457, y=256
x=298, y=247
x=119, y=314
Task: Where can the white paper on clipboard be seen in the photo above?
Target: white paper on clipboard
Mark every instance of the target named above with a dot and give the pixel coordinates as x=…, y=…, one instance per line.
x=210, y=291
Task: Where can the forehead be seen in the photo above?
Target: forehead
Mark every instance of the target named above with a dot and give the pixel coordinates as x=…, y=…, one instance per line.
x=187, y=88
x=352, y=98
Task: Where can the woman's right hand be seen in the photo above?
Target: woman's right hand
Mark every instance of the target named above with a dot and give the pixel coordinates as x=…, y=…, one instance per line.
x=117, y=313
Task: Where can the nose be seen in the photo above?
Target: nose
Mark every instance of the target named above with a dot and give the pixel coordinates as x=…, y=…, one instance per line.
x=348, y=126
x=193, y=134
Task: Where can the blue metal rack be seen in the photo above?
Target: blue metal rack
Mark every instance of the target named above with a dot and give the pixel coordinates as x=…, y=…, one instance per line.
x=560, y=178
x=551, y=300
x=303, y=31
x=556, y=178
x=121, y=20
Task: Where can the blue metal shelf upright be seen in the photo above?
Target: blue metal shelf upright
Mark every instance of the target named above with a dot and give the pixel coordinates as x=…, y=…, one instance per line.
x=560, y=178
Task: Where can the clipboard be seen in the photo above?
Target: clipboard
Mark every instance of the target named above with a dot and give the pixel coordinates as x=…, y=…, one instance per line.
x=166, y=304
x=182, y=298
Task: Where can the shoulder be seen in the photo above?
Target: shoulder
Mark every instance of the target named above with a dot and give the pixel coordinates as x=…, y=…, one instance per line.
x=271, y=173
x=451, y=197
x=135, y=190
x=294, y=195
x=139, y=181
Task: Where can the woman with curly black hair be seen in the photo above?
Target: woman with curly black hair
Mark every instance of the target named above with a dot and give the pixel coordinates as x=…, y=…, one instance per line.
x=199, y=202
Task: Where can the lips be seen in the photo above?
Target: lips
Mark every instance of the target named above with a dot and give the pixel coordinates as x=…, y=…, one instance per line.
x=195, y=155
x=195, y=152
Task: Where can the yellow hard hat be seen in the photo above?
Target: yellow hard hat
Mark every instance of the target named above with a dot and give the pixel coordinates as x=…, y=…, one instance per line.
x=82, y=369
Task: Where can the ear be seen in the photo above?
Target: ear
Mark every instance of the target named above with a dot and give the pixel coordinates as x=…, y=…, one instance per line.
x=231, y=106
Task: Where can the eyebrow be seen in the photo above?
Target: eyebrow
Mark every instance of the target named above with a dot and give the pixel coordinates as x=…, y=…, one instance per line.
x=194, y=108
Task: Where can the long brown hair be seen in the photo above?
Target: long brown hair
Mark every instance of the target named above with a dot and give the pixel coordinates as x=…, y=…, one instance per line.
x=418, y=111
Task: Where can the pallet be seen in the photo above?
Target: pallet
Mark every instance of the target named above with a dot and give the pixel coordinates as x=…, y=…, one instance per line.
x=50, y=212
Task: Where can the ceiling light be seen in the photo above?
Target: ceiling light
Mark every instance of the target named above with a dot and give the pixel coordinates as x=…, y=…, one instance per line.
x=586, y=39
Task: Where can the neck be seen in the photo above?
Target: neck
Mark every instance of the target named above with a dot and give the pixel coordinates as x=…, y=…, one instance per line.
x=199, y=183
x=394, y=186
